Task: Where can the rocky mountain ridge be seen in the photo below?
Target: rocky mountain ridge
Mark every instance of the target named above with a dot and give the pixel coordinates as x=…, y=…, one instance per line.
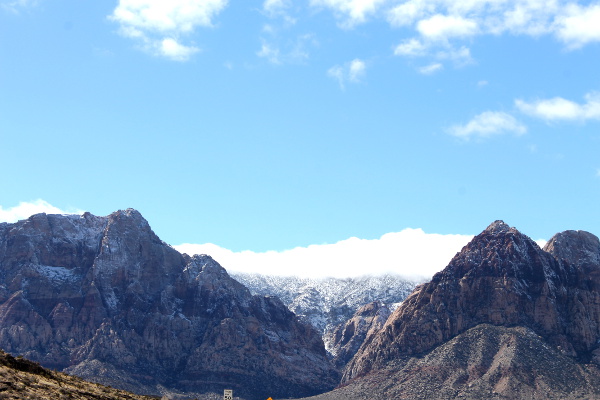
x=105, y=298
x=501, y=283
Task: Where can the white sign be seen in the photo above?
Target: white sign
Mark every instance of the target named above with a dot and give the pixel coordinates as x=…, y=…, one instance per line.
x=228, y=394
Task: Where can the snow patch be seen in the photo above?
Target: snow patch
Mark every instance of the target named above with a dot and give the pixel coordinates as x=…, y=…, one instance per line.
x=56, y=274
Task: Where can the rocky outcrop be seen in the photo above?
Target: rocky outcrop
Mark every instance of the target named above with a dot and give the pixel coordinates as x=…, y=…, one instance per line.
x=105, y=298
x=347, y=338
x=501, y=278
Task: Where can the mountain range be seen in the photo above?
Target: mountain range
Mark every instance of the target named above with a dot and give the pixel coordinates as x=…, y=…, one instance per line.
x=504, y=320
x=105, y=299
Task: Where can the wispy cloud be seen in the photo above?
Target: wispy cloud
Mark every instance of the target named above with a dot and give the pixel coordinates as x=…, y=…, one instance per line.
x=487, y=124
x=411, y=48
x=351, y=12
x=269, y=52
x=26, y=209
x=159, y=25
x=558, y=108
x=407, y=253
x=352, y=71
x=17, y=5
x=431, y=68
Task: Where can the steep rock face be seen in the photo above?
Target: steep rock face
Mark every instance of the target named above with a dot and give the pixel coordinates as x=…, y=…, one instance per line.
x=104, y=297
x=502, y=278
x=347, y=338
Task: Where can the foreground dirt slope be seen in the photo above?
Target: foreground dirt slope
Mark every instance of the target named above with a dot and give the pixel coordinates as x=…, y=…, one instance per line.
x=24, y=379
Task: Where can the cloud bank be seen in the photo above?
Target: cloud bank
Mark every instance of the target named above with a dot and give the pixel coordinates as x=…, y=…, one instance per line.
x=411, y=253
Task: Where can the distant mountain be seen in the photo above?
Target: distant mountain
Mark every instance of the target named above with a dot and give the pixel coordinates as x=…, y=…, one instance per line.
x=104, y=298
x=326, y=303
x=504, y=320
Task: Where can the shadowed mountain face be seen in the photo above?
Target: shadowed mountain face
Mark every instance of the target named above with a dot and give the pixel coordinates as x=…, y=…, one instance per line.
x=501, y=278
x=105, y=298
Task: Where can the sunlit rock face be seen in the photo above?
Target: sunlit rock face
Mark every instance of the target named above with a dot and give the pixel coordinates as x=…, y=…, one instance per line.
x=105, y=298
x=501, y=278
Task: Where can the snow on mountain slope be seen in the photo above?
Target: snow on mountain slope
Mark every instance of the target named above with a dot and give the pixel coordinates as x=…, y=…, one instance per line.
x=328, y=302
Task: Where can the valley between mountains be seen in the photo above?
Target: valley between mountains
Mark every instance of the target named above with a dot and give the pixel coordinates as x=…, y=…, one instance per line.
x=104, y=299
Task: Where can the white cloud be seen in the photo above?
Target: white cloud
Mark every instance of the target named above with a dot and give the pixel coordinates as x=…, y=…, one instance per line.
x=558, y=108
x=411, y=253
x=411, y=47
x=352, y=71
x=26, y=209
x=431, y=68
x=578, y=25
x=159, y=24
x=276, y=7
x=409, y=12
x=441, y=22
x=350, y=12
x=170, y=48
x=356, y=70
x=444, y=27
x=487, y=124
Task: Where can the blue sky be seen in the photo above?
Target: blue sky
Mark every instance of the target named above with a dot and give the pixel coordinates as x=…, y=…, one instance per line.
x=270, y=125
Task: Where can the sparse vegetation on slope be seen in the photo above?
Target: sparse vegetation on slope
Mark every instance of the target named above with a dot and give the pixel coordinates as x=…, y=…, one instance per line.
x=23, y=379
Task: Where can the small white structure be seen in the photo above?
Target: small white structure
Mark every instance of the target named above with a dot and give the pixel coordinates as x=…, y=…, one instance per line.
x=228, y=394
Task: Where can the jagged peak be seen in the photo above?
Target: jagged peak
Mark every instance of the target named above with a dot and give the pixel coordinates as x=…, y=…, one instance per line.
x=128, y=212
x=497, y=226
